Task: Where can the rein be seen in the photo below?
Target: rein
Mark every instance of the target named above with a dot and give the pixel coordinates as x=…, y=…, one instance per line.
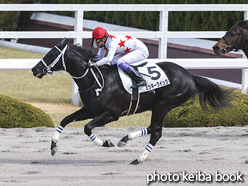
x=93, y=73
x=74, y=77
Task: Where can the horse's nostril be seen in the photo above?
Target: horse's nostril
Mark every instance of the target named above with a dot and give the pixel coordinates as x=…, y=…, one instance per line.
x=34, y=70
x=216, y=48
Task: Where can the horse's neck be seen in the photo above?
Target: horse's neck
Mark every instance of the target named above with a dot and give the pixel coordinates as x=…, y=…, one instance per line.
x=81, y=76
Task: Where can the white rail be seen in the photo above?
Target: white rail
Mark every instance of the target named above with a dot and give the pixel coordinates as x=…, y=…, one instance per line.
x=188, y=63
x=163, y=34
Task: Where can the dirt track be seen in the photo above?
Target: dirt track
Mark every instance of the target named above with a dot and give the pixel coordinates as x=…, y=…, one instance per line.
x=25, y=157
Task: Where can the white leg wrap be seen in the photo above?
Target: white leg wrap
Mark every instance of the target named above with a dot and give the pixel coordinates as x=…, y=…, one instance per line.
x=96, y=140
x=139, y=133
x=145, y=153
x=57, y=133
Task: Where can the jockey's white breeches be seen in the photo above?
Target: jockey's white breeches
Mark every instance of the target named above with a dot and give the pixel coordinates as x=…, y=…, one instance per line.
x=139, y=53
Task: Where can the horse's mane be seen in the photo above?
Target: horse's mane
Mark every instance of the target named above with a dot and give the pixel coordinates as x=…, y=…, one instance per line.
x=243, y=24
x=84, y=53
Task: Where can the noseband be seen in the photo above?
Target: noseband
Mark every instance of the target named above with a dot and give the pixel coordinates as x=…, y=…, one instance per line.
x=48, y=68
x=231, y=45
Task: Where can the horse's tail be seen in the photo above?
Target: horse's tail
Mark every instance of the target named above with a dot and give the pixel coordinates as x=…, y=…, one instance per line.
x=210, y=93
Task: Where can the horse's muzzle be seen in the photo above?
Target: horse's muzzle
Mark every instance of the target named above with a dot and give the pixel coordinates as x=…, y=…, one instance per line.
x=216, y=49
x=37, y=73
x=38, y=70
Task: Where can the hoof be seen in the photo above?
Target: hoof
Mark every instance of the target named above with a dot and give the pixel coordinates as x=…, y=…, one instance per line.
x=122, y=144
x=135, y=162
x=54, y=148
x=108, y=143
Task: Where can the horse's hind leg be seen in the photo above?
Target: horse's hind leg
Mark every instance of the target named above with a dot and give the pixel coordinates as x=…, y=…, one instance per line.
x=155, y=136
x=79, y=115
x=155, y=129
x=98, y=121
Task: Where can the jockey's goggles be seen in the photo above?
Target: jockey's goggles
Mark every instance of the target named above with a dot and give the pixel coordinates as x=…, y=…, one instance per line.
x=95, y=41
x=98, y=40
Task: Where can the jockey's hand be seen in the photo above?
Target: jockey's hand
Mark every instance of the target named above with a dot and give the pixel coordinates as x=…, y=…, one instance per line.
x=90, y=65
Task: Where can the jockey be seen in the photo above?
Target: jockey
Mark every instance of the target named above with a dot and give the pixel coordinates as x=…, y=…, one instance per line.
x=127, y=49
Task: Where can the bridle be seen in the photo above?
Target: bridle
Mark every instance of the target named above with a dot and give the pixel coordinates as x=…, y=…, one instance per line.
x=231, y=45
x=48, y=68
x=61, y=57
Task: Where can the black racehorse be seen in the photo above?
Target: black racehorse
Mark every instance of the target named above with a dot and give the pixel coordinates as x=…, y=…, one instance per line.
x=235, y=39
x=113, y=101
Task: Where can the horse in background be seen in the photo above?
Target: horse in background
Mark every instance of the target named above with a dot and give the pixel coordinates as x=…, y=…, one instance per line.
x=235, y=39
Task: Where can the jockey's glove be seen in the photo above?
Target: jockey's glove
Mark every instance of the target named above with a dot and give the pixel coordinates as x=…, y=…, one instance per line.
x=90, y=64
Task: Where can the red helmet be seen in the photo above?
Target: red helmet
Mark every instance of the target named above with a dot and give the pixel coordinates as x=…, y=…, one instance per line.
x=97, y=34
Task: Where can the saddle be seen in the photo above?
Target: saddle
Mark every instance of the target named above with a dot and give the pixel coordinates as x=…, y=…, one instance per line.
x=154, y=76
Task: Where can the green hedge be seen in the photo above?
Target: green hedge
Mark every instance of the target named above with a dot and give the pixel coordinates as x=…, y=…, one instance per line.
x=190, y=114
x=178, y=21
x=14, y=113
x=149, y=20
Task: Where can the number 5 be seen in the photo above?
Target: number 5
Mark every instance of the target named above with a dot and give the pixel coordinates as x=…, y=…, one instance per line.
x=152, y=71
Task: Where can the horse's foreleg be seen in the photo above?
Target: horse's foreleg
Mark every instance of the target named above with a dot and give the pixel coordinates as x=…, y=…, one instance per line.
x=79, y=115
x=132, y=136
x=99, y=142
x=97, y=122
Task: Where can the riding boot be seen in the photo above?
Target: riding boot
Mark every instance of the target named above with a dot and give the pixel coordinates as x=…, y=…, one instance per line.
x=137, y=78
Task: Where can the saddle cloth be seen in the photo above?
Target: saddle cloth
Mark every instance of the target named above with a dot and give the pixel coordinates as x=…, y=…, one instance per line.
x=151, y=72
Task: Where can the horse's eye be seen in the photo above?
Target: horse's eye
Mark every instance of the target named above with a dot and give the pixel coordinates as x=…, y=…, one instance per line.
x=232, y=34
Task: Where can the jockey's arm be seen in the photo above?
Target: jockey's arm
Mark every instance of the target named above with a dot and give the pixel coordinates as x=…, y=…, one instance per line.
x=109, y=57
x=100, y=54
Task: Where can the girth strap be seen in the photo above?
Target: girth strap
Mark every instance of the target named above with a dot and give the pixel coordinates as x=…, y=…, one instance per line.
x=134, y=102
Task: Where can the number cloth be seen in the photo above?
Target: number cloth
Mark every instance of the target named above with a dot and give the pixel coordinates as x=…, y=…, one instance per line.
x=151, y=72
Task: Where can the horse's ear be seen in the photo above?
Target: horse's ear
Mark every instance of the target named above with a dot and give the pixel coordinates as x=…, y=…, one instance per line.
x=62, y=44
x=243, y=24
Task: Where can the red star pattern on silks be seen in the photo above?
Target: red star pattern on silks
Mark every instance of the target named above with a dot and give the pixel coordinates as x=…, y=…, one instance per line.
x=121, y=44
x=127, y=49
x=128, y=37
x=111, y=36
